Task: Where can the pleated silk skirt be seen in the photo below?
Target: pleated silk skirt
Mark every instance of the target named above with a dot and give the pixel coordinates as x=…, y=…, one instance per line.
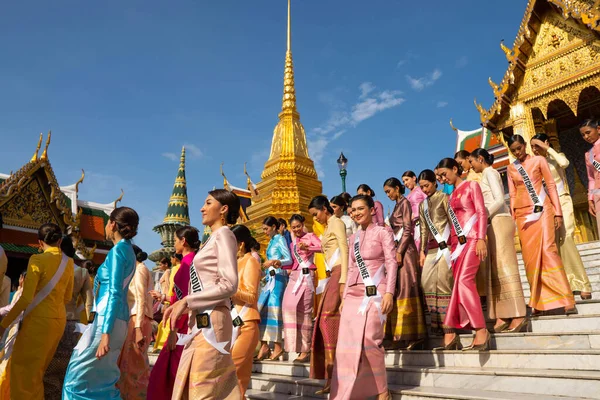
x=34, y=348
x=437, y=283
x=545, y=272
x=326, y=328
x=359, y=371
x=464, y=310
x=574, y=268
x=89, y=378
x=297, y=313
x=134, y=363
x=243, y=353
x=505, y=293
x=204, y=373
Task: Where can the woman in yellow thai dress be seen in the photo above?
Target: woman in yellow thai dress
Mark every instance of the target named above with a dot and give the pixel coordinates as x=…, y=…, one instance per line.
x=48, y=286
x=166, y=292
x=133, y=361
x=574, y=268
x=245, y=337
x=505, y=299
x=206, y=369
x=538, y=214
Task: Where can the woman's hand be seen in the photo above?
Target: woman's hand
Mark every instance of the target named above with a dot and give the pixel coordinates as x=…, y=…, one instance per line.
x=387, y=303
x=140, y=340
x=172, y=340
x=268, y=264
x=104, y=346
x=341, y=305
x=156, y=295
x=302, y=246
x=399, y=259
x=592, y=208
x=540, y=144
x=558, y=222
x=342, y=287
x=174, y=312
x=481, y=249
x=422, y=258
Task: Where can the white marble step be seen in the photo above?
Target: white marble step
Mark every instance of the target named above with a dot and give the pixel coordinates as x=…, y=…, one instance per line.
x=564, y=324
x=589, y=340
x=464, y=384
x=583, y=360
x=420, y=393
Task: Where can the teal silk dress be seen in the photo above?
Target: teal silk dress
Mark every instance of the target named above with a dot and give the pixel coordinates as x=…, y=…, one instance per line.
x=87, y=377
x=271, y=296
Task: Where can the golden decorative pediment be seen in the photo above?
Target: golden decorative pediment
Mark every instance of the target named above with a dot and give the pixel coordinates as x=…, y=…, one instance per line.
x=29, y=207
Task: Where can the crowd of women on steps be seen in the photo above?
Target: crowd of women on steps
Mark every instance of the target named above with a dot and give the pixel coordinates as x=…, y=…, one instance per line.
x=336, y=290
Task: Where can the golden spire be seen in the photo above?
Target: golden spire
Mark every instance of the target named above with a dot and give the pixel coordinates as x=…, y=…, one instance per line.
x=289, y=90
x=45, y=153
x=225, y=182
x=37, y=150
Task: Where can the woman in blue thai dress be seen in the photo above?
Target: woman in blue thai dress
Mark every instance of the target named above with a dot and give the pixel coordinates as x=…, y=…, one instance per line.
x=93, y=370
x=271, y=297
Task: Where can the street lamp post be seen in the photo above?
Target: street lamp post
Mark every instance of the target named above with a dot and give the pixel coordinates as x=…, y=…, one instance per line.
x=342, y=162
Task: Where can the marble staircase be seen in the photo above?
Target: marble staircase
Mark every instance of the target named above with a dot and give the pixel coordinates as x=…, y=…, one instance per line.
x=558, y=358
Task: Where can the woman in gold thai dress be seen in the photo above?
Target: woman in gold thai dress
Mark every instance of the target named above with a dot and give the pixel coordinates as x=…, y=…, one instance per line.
x=436, y=278
x=538, y=215
x=206, y=369
x=505, y=299
x=48, y=286
x=166, y=285
x=245, y=339
x=574, y=268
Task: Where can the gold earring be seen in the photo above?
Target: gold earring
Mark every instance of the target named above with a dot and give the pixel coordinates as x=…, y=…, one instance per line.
x=223, y=219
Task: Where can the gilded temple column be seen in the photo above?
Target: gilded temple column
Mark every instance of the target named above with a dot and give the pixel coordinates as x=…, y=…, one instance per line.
x=522, y=122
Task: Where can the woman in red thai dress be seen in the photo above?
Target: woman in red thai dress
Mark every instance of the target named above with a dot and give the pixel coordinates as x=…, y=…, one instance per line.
x=537, y=212
x=468, y=217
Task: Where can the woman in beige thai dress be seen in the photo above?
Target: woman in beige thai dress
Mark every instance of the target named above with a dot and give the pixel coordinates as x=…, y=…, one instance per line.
x=505, y=299
x=206, y=369
x=436, y=278
x=574, y=268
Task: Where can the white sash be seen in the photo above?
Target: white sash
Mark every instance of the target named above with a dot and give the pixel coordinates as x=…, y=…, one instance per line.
x=538, y=200
x=371, y=291
x=304, y=267
x=209, y=333
x=442, y=240
x=38, y=298
x=328, y=267
x=460, y=231
x=234, y=315
x=398, y=235
x=270, y=279
x=596, y=166
x=88, y=331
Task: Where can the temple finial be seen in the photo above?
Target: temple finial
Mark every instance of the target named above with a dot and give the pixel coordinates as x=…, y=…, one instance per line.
x=289, y=90
x=225, y=182
x=289, y=27
x=177, y=210
x=452, y=126
x=118, y=200
x=37, y=150
x=45, y=153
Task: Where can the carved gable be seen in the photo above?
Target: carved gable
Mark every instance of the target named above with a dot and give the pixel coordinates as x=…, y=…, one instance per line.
x=563, y=49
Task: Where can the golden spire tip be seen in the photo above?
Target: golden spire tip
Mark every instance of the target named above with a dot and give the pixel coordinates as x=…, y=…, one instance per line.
x=37, y=150
x=45, y=153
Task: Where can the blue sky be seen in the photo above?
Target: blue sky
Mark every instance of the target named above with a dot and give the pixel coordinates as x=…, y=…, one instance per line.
x=124, y=86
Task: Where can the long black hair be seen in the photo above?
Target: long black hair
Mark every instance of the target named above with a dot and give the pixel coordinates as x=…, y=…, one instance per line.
x=487, y=157
x=243, y=235
x=340, y=202
x=366, y=188
x=450, y=163
x=191, y=236
x=320, y=203
x=515, y=139
x=591, y=122
x=271, y=221
x=395, y=183
x=428, y=175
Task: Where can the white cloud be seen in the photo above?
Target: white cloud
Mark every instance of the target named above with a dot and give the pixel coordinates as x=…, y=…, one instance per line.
x=370, y=102
x=462, y=62
x=407, y=57
x=442, y=104
x=170, y=156
x=193, y=151
x=419, y=84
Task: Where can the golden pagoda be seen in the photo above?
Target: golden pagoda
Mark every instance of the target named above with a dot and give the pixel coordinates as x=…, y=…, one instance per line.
x=552, y=83
x=289, y=180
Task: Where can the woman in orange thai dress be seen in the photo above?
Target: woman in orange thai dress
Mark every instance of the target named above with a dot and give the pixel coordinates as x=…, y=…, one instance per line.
x=206, y=369
x=537, y=212
x=245, y=336
x=590, y=133
x=468, y=217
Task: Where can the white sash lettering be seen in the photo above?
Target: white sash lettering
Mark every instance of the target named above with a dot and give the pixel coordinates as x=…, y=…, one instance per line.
x=460, y=231
x=236, y=328
x=442, y=240
x=371, y=284
x=328, y=267
x=538, y=200
x=304, y=267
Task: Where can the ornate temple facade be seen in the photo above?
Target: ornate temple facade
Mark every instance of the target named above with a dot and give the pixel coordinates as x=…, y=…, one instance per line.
x=177, y=215
x=289, y=179
x=551, y=84
x=32, y=196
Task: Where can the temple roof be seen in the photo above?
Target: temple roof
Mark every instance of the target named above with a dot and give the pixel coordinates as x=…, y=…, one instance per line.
x=586, y=12
x=178, y=208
